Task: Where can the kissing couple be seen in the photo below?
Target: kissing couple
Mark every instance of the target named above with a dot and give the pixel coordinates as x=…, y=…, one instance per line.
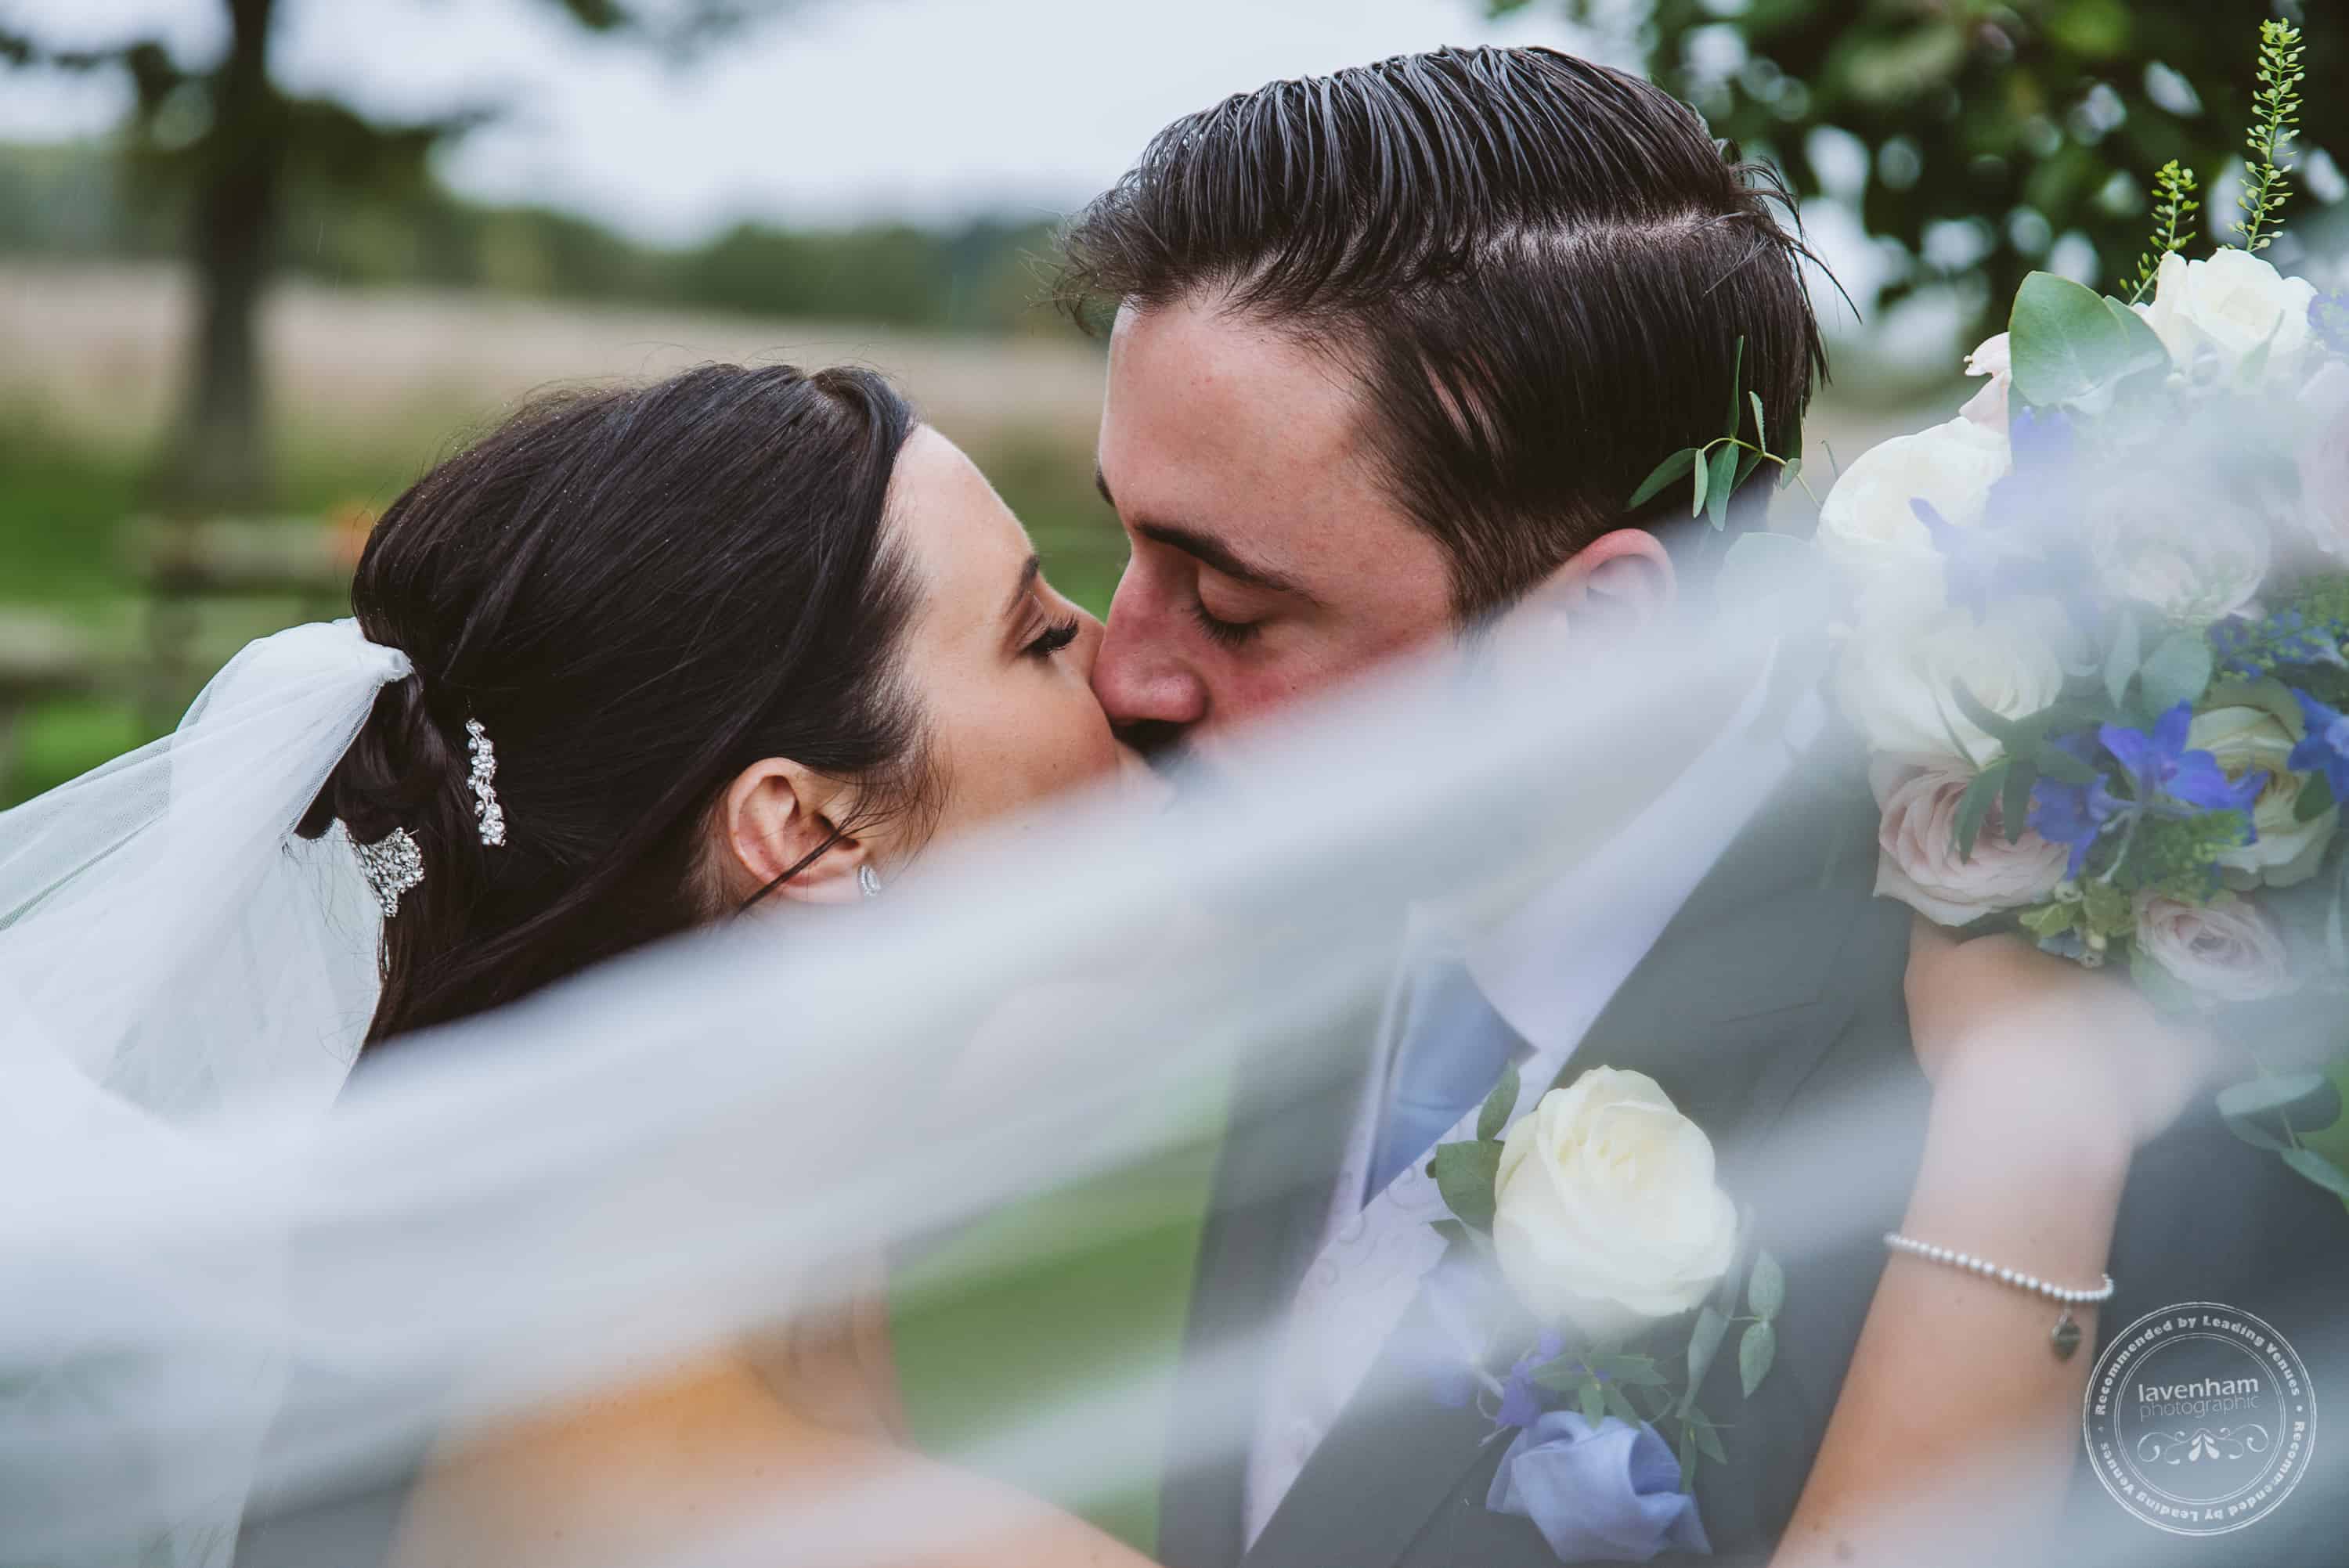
x=1390, y=353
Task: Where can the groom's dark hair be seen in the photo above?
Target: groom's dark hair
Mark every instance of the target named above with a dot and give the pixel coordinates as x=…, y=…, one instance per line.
x=1539, y=270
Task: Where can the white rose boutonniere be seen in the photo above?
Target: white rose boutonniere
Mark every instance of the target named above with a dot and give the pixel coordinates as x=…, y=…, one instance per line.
x=1611, y=1263
x=1605, y=1214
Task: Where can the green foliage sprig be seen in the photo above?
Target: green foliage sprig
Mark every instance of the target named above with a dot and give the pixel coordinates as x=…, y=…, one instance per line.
x=2265, y=186
x=2174, y=189
x=1723, y=463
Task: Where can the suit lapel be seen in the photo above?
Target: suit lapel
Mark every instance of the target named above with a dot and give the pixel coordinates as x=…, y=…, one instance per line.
x=1731, y=1011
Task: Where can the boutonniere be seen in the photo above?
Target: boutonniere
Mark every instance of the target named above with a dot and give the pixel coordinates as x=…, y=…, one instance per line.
x=1594, y=1274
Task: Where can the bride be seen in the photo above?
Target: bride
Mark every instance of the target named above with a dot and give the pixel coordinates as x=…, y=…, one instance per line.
x=749, y=640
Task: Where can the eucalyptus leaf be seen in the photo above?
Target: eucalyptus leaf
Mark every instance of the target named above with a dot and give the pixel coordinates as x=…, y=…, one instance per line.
x=1973, y=807
x=1593, y=1401
x=1665, y=472
x=1722, y=484
x=1737, y=390
x=1708, y=1440
x=2308, y=1163
x=2065, y=346
x=1792, y=471
x=1620, y=1407
x=1704, y=1343
x=2177, y=671
x=1499, y=1106
x=2306, y=1099
x=1765, y=1288
x=1465, y=1173
x=2127, y=653
x=1757, y=1347
x=2315, y=799
x=2057, y=763
x=2146, y=350
x=1703, y=483
x=2014, y=799
x=2006, y=732
x=1761, y=433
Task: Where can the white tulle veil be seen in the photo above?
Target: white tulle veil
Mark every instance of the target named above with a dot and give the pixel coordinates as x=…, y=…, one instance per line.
x=699, y=1141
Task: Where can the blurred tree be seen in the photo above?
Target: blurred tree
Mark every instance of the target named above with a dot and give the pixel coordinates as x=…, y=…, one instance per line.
x=1989, y=133
x=225, y=143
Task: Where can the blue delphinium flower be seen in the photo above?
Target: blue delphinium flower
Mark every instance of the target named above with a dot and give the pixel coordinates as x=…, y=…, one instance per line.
x=2075, y=815
x=1604, y=1493
x=1520, y=1401
x=2326, y=748
x=2168, y=780
x=2245, y=650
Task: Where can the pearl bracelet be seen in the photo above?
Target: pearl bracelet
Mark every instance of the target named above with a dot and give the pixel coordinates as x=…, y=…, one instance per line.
x=2066, y=1337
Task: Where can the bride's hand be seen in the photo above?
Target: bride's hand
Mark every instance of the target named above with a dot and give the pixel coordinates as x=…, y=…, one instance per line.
x=1995, y=1019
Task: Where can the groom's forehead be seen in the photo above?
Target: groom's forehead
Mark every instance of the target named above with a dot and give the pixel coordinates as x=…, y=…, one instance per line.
x=1217, y=404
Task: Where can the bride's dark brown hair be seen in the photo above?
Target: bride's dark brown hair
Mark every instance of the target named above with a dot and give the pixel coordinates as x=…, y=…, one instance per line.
x=639, y=592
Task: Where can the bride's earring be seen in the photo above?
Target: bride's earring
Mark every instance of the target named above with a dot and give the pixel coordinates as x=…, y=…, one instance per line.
x=868, y=882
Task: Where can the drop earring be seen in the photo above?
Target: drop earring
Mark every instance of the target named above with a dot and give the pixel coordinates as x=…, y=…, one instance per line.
x=868, y=882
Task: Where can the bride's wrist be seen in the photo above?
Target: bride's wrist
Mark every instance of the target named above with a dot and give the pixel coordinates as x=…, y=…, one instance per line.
x=2034, y=1122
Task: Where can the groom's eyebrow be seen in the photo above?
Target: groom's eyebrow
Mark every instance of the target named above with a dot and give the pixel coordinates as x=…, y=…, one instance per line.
x=1206, y=548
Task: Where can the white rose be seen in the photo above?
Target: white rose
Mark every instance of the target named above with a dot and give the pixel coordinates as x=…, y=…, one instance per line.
x=2194, y=556
x=1899, y=669
x=2244, y=738
x=1995, y=359
x=1605, y=1211
x=2323, y=458
x=2230, y=951
x=2230, y=305
x=1919, y=862
x=1868, y=525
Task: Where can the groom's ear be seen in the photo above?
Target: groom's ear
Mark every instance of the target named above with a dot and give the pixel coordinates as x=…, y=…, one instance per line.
x=1620, y=583
x=774, y=815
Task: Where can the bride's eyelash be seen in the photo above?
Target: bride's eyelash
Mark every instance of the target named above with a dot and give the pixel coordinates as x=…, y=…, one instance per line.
x=1222, y=633
x=1054, y=638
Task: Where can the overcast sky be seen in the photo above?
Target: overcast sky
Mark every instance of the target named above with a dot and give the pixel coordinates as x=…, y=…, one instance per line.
x=845, y=110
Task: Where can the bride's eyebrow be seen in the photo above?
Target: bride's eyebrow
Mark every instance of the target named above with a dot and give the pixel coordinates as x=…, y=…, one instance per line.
x=1020, y=590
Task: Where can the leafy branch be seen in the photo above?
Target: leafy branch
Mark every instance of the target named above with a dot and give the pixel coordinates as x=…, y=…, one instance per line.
x=2266, y=188
x=2174, y=190
x=1722, y=464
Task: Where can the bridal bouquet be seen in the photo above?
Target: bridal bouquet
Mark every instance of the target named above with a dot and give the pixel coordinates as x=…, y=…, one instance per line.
x=2097, y=627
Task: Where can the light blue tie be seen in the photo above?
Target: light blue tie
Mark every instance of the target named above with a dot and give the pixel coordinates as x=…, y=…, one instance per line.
x=1454, y=1049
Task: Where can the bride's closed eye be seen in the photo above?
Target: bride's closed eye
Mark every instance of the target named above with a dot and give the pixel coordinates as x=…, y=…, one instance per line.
x=1053, y=639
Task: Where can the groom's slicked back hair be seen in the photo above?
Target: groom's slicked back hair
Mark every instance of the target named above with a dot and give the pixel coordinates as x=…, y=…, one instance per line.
x=1538, y=268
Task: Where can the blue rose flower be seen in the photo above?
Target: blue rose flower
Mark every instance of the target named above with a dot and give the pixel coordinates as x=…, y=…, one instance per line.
x=1608, y=1494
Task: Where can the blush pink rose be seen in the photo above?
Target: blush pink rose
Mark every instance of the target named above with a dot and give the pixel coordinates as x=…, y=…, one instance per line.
x=1918, y=864
x=2229, y=952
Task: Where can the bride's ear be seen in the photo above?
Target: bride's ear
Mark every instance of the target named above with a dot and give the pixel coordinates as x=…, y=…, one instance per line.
x=774, y=815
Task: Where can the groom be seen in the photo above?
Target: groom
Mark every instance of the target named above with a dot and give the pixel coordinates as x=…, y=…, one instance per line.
x=1390, y=350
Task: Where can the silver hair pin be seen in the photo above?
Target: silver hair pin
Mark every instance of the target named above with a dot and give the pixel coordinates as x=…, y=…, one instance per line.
x=393, y=864
x=487, y=813
x=868, y=882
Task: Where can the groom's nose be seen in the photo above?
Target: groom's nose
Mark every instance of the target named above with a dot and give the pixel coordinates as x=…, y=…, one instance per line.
x=1149, y=689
